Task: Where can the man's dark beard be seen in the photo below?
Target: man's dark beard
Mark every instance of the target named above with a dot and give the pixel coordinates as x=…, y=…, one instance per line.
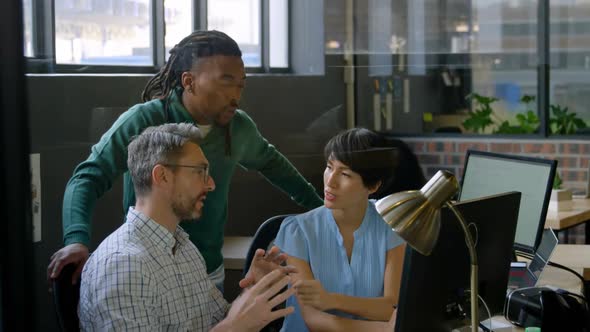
x=183, y=212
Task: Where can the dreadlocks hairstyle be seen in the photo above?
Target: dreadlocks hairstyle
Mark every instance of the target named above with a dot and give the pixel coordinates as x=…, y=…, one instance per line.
x=199, y=44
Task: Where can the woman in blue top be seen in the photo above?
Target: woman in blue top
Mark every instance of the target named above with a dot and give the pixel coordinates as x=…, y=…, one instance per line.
x=349, y=260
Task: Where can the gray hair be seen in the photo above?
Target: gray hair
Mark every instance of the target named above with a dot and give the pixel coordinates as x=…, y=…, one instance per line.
x=157, y=145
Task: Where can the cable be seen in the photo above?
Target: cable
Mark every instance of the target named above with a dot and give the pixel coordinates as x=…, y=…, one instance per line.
x=557, y=265
x=574, y=272
x=475, y=236
x=576, y=295
x=489, y=313
x=487, y=309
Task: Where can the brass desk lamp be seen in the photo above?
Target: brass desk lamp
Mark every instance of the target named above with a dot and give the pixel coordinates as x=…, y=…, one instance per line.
x=414, y=215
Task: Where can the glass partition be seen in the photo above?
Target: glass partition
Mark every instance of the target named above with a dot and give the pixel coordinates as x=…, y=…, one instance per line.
x=455, y=66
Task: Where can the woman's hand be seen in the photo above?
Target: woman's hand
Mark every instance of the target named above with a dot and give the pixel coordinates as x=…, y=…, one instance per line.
x=263, y=263
x=311, y=293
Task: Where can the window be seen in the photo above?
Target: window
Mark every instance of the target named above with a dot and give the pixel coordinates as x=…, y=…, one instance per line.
x=115, y=32
x=475, y=67
x=261, y=29
x=278, y=34
x=570, y=66
x=240, y=19
x=137, y=35
x=443, y=66
x=179, y=22
x=28, y=31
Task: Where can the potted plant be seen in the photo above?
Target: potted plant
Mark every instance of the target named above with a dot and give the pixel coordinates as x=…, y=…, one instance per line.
x=563, y=122
x=561, y=198
x=481, y=117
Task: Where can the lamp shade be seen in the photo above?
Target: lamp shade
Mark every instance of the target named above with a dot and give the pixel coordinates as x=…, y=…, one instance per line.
x=414, y=215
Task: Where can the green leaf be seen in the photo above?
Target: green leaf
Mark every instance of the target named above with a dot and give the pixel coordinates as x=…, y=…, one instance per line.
x=527, y=99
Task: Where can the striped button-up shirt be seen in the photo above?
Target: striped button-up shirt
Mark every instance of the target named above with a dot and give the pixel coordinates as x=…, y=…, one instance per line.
x=144, y=278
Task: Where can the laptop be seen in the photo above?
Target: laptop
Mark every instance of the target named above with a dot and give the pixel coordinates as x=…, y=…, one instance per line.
x=527, y=275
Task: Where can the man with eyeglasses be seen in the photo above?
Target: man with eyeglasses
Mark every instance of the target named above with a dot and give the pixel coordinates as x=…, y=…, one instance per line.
x=148, y=276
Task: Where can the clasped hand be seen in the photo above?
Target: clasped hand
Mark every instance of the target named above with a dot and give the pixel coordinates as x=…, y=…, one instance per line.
x=312, y=293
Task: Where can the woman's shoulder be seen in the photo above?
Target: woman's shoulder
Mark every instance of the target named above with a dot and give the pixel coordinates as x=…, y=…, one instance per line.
x=311, y=216
x=305, y=220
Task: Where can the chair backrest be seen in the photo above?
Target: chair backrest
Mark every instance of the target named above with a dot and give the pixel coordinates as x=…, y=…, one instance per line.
x=65, y=298
x=265, y=234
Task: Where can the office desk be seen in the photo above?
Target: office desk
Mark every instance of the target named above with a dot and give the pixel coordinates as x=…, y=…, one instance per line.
x=563, y=220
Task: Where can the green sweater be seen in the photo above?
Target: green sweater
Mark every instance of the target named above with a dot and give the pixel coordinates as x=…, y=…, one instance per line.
x=108, y=160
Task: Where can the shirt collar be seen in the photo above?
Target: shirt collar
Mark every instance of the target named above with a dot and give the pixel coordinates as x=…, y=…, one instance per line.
x=369, y=214
x=156, y=233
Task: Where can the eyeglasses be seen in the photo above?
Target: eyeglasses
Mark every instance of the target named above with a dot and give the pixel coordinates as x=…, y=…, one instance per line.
x=202, y=169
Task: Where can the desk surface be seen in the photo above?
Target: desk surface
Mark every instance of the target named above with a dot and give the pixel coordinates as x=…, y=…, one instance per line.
x=235, y=249
x=579, y=213
x=574, y=256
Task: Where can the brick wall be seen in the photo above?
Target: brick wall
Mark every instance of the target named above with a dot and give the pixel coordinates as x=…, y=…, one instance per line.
x=573, y=157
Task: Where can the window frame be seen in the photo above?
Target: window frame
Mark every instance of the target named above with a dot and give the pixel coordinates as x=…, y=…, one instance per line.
x=43, y=35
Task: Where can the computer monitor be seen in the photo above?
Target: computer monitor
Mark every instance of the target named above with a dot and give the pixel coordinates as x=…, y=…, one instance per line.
x=491, y=173
x=433, y=288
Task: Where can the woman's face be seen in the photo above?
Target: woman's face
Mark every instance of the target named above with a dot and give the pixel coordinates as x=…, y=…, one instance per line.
x=343, y=188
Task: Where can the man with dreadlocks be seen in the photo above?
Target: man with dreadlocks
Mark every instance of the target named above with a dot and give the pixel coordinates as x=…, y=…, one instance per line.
x=201, y=84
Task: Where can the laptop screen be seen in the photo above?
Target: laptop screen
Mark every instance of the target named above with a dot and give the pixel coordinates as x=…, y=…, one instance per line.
x=529, y=276
x=543, y=253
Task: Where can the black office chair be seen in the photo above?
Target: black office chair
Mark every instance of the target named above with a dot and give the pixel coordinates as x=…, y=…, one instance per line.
x=264, y=236
x=65, y=298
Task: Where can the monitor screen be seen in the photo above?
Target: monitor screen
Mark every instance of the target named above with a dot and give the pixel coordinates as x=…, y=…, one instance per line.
x=433, y=293
x=489, y=173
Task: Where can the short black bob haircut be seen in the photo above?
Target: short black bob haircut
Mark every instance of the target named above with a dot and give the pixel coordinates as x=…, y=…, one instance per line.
x=366, y=153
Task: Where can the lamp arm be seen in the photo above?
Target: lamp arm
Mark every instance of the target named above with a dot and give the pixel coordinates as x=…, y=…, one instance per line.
x=474, y=270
